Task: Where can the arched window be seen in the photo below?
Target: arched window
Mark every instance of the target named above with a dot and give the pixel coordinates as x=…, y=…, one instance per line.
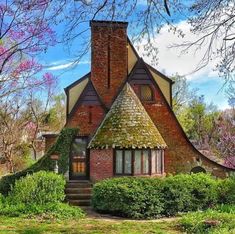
x=198, y=170
x=146, y=93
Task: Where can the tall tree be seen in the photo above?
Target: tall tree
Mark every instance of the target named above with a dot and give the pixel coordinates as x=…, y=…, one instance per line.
x=182, y=93
x=22, y=117
x=56, y=115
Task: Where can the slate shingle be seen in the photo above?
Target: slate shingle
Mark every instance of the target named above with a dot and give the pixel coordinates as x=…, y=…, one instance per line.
x=127, y=125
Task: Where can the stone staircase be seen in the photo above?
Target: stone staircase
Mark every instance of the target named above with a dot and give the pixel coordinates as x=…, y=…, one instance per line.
x=78, y=192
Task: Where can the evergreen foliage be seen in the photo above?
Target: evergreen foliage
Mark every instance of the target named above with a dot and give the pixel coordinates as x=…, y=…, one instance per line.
x=61, y=147
x=139, y=197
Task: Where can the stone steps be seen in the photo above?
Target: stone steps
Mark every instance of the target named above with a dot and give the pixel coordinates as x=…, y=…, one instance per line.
x=80, y=202
x=79, y=192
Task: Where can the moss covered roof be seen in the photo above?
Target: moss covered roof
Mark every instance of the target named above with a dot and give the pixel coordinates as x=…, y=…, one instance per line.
x=127, y=125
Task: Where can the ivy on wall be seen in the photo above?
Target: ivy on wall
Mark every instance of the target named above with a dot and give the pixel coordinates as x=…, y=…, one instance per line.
x=61, y=147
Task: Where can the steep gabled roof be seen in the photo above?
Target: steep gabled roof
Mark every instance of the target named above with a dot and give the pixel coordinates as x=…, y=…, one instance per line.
x=127, y=125
x=149, y=66
x=88, y=96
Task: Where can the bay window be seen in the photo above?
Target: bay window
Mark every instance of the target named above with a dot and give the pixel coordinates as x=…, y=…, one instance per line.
x=139, y=162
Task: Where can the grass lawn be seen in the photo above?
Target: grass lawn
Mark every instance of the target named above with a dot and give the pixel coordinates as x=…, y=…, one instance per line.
x=87, y=225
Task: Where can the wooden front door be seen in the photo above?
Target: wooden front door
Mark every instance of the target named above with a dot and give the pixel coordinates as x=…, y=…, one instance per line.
x=79, y=159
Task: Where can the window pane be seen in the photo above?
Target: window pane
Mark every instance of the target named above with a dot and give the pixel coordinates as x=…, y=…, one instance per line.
x=127, y=165
x=145, y=162
x=79, y=147
x=137, y=166
x=146, y=93
x=159, y=162
x=154, y=152
x=119, y=162
x=78, y=157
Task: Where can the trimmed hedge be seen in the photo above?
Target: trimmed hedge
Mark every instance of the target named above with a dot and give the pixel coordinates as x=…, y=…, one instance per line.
x=227, y=190
x=61, y=146
x=128, y=197
x=186, y=192
x=139, y=197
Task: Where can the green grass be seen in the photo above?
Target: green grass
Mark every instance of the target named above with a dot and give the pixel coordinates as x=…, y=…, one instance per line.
x=83, y=226
x=193, y=223
x=197, y=222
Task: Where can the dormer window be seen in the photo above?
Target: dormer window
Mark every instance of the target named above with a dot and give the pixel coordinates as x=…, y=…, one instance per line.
x=146, y=93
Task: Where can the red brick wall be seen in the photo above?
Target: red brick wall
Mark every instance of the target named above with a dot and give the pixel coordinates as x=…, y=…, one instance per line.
x=101, y=164
x=80, y=119
x=113, y=36
x=180, y=156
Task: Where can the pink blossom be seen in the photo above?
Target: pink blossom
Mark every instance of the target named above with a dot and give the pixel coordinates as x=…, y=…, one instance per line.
x=49, y=79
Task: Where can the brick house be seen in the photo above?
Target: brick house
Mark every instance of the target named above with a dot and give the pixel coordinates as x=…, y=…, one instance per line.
x=123, y=109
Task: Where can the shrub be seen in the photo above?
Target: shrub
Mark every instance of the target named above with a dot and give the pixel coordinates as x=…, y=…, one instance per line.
x=128, y=197
x=185, y=192
x=39, y=188
x=150, y=197
x=227, y=191
x=1, y=201
x=61, y=146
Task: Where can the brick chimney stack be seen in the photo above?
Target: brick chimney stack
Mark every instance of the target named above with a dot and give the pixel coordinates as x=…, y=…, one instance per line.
x=108, y=58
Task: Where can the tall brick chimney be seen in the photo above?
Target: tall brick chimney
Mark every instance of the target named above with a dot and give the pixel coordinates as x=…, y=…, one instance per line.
x=108, y=58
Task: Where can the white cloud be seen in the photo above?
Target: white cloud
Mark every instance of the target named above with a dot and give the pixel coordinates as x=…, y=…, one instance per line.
x=172, y=61
x=63, y=64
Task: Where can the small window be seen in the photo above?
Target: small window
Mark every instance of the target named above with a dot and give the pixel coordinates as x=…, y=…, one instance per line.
x=146, y=93
x=128, y=161
x=145, y=161
x=137, y=165
x=123, y=162
x=119, y=162
x=157, y=161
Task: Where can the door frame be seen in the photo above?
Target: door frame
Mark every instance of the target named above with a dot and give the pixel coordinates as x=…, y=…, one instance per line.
x=87, y=161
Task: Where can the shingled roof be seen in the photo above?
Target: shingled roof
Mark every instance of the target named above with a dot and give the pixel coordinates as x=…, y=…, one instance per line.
x=127, y=125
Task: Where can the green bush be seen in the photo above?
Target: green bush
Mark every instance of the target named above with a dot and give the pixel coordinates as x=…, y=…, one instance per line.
x=2, y=198
x=128, y=197
x=48, y=211
x=210, y=221
x=227, y=191
x=138, y=197
x=39, y=194
x=39, y=188
x=61, y=146
x=185, y=192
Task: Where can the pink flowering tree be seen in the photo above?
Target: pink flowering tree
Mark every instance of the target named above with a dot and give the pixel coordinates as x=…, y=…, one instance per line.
x=24, y=32
x=226, y=138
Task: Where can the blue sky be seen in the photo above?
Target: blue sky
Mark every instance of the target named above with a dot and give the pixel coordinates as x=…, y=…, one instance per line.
x=170, y=61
